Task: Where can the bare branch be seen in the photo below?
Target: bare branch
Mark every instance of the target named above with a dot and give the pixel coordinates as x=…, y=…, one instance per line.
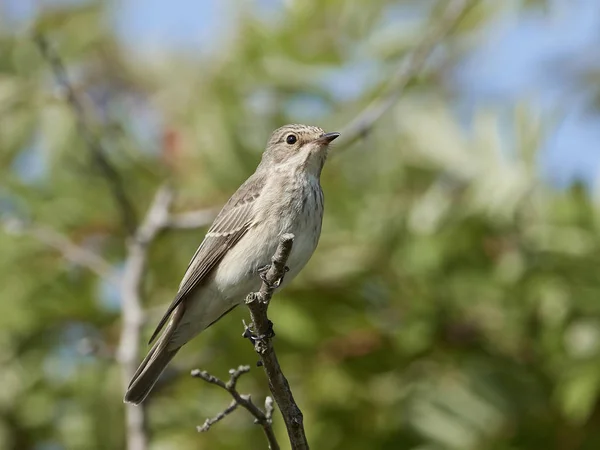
x=210, y=422
x=192, y=219
x=98, y=154
x=132, y=313
x=263, y=418
x=258, y=303
x=158, y=219
x=68, y=249
x=410, y=67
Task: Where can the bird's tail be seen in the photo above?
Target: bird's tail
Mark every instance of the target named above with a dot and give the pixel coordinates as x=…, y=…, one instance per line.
x=147, y=374
x=155, y=362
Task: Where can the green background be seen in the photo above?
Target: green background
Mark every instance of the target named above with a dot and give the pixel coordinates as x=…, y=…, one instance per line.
x=452, y=303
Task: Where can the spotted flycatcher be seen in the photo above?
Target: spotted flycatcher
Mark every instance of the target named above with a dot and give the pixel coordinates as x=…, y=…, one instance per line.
x=283, y=196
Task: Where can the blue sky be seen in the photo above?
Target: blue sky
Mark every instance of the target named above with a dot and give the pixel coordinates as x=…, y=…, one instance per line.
x=538, y=56
x=542, y=58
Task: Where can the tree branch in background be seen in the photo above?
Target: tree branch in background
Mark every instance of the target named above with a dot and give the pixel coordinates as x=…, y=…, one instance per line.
x=192, y=219
x=261, y=335
x=410, y=67
x=263, y=418
x=113, y=178
x=70, y=251
x=132, y=313
x=158, y=219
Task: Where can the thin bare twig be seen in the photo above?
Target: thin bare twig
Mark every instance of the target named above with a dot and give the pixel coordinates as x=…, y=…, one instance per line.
x=220, y=416
x=98, y=154
x=262, y=327
x=410, y=67
x=263, y=418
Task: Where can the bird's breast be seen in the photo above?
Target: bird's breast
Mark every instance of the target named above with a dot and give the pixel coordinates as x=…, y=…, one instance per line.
x=287, y=206
x=301, y=214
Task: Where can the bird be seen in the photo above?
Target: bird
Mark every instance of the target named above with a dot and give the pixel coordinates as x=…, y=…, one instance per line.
x=282, y=196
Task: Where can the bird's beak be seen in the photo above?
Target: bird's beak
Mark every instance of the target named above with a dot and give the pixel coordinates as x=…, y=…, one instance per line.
x=327, y=138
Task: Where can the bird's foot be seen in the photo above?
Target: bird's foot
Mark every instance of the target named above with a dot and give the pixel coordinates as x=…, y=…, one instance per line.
x=262, y=273
x=248, y=334
x=252, y=337
x=286, y=269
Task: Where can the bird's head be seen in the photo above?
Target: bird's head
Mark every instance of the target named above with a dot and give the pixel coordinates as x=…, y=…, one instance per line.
x=301, y=146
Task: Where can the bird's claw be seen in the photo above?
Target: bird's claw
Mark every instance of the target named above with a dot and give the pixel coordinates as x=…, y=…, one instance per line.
x=286, y=269
x=262, y=273
x=252, y=337
x=248, y=334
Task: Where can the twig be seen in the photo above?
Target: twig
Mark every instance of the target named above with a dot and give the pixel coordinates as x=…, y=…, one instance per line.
x=211, y=421
x=258, y=303
x=67, y=248
x=409, y=68
x=263, y=418
x=98, y=154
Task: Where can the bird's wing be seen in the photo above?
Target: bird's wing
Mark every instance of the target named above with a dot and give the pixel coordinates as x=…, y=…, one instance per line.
x=231, y=224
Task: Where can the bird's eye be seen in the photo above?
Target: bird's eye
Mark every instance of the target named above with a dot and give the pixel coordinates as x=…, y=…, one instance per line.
x=291, y=139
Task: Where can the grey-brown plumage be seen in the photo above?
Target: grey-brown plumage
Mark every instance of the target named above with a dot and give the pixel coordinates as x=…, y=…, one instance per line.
x=282, y=196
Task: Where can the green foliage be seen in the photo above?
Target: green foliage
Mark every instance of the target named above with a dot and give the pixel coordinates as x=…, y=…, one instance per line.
x=453, y=299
